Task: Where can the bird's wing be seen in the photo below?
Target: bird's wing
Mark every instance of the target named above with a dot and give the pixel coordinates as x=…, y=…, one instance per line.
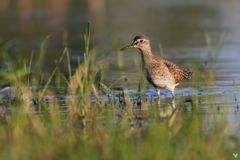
x=178, y=73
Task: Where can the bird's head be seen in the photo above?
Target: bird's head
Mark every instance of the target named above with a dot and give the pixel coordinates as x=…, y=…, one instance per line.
x=140, y=42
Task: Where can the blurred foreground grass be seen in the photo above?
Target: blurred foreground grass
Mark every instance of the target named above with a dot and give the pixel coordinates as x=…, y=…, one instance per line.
x=99, y=129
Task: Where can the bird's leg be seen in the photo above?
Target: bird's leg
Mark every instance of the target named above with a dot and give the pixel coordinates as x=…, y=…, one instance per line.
x=158, y=97
x=173, y=92
x=158, y=92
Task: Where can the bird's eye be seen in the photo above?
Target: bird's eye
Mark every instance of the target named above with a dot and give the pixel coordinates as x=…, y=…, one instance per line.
x=141, y=41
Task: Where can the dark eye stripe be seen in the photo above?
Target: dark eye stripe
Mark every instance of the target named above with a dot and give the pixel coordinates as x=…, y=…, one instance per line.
x=141, y=41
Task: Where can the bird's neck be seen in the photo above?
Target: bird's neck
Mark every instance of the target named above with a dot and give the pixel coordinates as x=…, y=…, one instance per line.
x=146, y=54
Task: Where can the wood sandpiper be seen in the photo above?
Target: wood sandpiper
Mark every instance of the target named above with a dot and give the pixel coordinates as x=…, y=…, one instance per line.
x=160, y=73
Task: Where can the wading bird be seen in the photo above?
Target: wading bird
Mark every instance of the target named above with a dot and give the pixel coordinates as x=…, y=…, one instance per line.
x=160, y=73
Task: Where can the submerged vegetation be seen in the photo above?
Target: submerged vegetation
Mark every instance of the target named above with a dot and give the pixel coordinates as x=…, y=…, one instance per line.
x=75, y=115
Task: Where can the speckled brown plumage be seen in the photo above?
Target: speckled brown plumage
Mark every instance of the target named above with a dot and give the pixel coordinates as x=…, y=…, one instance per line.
x=178, y=73
x=160, y=73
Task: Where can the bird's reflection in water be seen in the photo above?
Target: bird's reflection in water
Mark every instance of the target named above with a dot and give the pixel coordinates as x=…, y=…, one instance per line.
x=139, y=111
x=167, y=109
x=175, y=114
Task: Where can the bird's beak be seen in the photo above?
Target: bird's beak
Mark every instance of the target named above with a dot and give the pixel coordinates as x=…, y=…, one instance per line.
x=128, y=46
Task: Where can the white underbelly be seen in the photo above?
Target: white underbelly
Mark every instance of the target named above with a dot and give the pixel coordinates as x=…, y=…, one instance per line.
x=164, y=83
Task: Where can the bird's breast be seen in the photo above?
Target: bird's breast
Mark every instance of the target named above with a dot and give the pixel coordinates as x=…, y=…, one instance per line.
x=159, y=76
